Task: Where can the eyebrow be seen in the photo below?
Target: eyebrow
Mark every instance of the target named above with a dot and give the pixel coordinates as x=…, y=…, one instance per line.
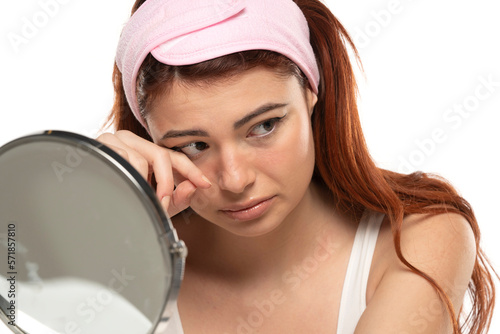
x=238, y=124
x=259, y=111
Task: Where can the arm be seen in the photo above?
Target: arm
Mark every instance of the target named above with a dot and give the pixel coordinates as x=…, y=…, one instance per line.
x=443, y=246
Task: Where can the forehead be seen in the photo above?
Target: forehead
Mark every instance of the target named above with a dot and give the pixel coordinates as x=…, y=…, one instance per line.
x=225, y=98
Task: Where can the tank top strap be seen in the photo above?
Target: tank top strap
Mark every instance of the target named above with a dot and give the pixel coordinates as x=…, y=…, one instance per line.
x=353, y=300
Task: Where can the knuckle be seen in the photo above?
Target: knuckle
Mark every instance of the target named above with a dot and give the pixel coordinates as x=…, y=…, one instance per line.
x=105, y=137
x=123, y=153
x=124, y=134
x=172, y=209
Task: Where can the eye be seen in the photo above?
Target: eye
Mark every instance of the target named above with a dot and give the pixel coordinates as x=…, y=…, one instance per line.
x=265, y=128
x=191, y=149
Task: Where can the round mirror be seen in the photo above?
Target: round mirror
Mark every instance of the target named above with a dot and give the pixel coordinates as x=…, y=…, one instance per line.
x=85, y=246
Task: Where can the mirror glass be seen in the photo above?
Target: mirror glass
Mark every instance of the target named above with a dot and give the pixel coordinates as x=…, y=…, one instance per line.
x=84, y=244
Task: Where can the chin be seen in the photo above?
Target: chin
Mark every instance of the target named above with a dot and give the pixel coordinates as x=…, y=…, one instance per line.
x=257, y=227
x=254, y=228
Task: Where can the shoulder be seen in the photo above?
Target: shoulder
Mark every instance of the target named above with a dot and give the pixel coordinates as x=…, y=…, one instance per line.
x=442, y=246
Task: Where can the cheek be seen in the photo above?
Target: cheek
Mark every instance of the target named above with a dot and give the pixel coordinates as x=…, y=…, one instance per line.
x=288, y=163
x=293, y=153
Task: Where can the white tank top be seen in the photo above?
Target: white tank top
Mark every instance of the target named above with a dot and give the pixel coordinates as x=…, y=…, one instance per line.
x=353, y=300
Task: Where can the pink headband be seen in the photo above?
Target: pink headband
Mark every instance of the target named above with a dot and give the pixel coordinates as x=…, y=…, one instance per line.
x=185, y=32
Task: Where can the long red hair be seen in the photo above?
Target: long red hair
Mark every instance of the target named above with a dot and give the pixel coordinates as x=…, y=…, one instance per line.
x=343, y=163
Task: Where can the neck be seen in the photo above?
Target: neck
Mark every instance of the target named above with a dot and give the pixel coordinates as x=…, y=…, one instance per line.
x=313, y=227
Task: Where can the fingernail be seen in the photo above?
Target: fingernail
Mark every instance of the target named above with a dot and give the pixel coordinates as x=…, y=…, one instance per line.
x=165, y=202
x=206, y=180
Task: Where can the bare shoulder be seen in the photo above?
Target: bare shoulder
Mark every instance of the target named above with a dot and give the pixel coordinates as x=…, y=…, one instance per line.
x=443, y=247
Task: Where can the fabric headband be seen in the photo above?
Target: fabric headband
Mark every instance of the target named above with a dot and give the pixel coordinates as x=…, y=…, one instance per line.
x=185, y=32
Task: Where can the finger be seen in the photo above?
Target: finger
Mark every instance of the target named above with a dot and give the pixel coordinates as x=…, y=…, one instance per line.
x=158, y=160
x=165, y=203
x=126, y=152
x=185, y=167
x=180, y=200
x=167, y=162
x=123, y=153
x=163, y=162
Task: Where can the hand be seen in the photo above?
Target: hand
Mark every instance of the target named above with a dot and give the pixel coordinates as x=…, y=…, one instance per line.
x=148, y=158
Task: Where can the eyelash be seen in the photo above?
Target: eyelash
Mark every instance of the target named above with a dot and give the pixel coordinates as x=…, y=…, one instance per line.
x=276, y=121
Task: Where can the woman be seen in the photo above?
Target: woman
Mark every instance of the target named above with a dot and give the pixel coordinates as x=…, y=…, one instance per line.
x=243, y=116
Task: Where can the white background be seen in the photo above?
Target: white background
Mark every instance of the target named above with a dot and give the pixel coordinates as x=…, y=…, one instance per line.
x=421, y=58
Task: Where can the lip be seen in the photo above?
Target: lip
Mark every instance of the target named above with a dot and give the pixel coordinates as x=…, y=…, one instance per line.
x=249, y=211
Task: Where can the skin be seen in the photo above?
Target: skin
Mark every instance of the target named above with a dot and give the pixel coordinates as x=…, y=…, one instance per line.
x=234, y=263
x=269, y=156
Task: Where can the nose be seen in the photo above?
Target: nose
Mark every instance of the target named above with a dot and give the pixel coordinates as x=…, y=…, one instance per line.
x=236, y=172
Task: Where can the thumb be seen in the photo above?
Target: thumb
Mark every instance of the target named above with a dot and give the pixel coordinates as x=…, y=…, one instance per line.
x=180, y=199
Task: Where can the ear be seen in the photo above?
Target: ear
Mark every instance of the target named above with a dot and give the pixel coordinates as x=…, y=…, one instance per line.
x=311, y=100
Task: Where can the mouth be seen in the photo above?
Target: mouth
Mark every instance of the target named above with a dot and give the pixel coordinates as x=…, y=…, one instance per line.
x=249, y=211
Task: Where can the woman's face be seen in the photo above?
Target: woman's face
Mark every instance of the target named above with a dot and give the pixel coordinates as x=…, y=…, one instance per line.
x=251, y=136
